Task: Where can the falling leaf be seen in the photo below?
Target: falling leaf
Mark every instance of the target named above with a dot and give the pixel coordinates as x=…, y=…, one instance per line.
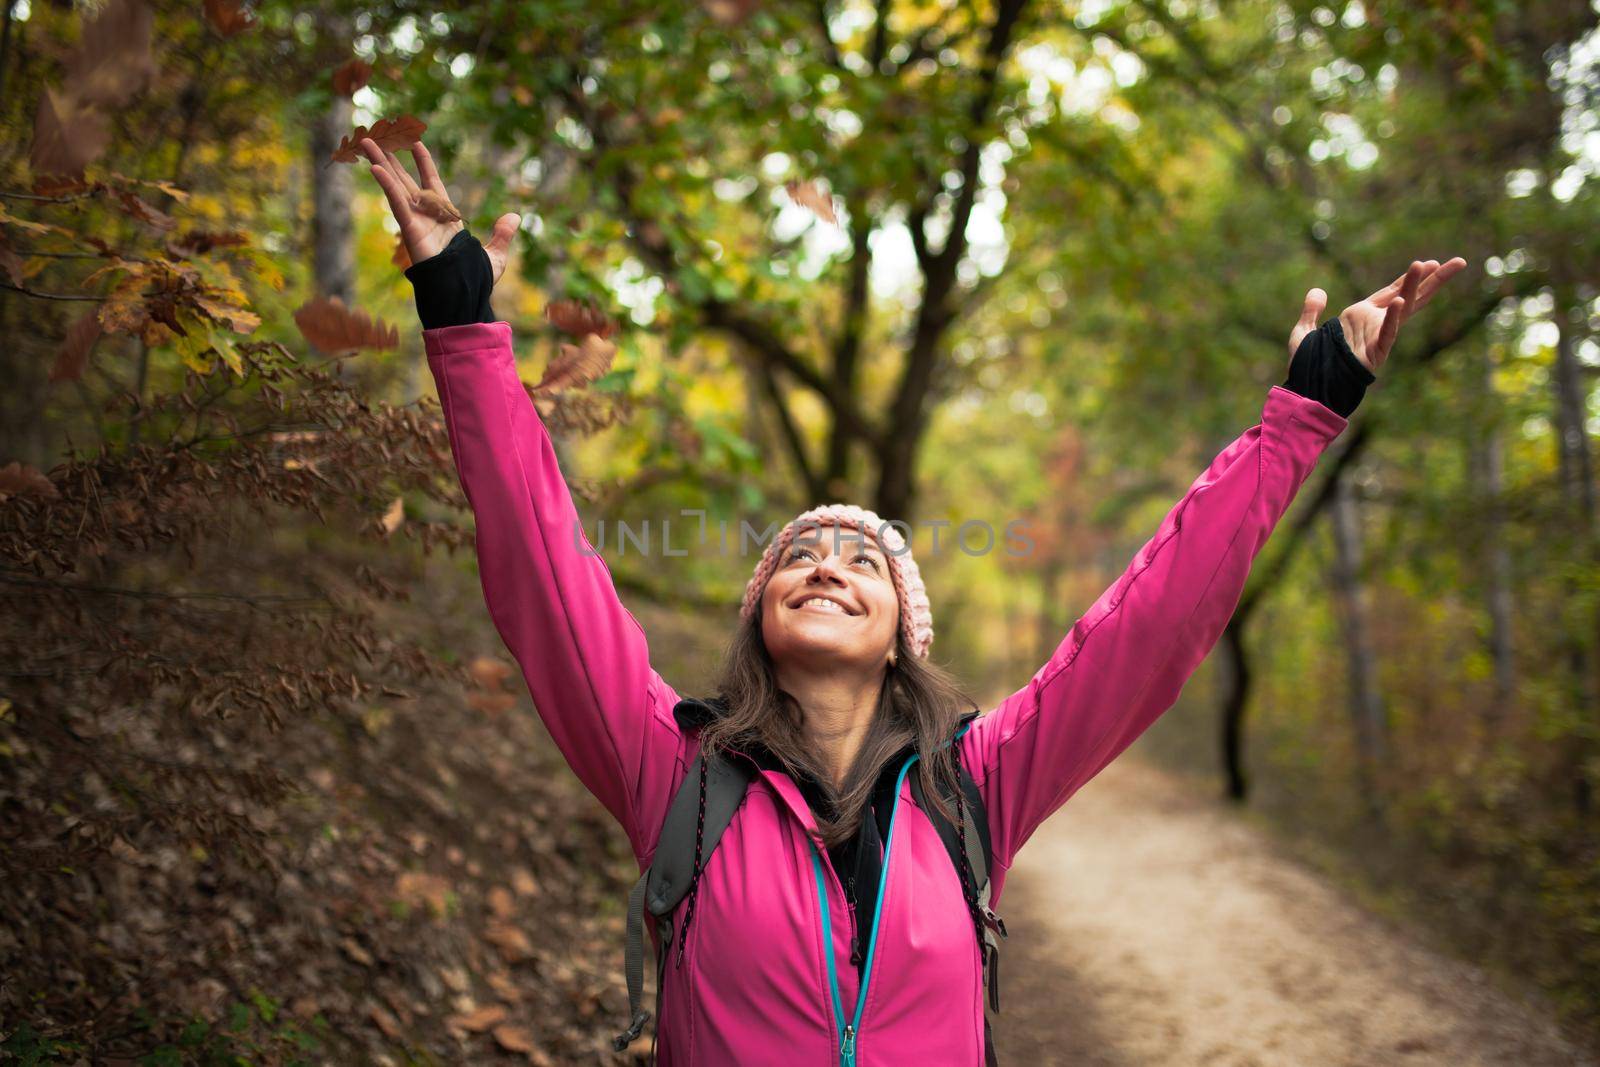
x=578, y=317
x=394, y=516
x=435, y=206
x=806, y=194
x=333, y=327
x=20, y=479
x=68, y=135
x=227, y=17
x=402, y=255
x=514, y=1039
x=73, y=357
x=351, y=77
x=390, y=134
x=577, y=365
x=479, y=1021
x=111, y=61
x=730, y=12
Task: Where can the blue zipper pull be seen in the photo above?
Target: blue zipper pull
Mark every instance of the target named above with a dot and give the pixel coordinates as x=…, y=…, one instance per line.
x=847, y=1050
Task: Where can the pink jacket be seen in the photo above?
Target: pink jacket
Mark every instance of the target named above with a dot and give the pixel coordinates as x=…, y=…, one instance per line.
x=766, y=976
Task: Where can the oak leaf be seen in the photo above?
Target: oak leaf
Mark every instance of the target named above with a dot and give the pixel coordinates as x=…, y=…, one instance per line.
x=577, y=365
x=351, y=77
x=579, y=317
x=234, y=318
x=333, y=327
x=390, y=134
x=807, y=195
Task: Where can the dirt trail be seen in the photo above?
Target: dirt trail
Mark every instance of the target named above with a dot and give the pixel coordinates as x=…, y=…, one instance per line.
x=1152, y=926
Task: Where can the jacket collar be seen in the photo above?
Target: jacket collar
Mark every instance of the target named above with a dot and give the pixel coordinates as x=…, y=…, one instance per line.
x=694, y=713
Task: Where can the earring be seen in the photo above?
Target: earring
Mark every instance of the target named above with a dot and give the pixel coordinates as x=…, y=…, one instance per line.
x=894, y=660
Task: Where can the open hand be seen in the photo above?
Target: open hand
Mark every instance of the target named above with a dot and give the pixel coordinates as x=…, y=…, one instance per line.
x=1371, y=325
x=424, y=235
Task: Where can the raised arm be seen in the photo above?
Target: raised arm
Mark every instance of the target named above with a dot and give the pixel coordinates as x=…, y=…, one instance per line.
x=1126, y=660
x=550, y=595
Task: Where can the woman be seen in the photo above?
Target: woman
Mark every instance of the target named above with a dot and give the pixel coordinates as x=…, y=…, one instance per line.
x=831, y=925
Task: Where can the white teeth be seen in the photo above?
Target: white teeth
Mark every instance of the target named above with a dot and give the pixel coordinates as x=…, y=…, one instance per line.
x=818, y=602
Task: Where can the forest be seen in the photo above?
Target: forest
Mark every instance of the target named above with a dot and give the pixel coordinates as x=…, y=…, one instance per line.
x=272, y=790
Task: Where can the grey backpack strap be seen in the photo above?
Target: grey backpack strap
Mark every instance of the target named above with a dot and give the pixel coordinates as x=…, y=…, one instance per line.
x=663, y=884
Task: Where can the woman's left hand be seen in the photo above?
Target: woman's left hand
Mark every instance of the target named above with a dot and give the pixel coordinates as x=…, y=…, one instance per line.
x=1371, y=325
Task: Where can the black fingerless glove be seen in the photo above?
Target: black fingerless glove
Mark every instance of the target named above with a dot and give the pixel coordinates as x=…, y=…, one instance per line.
x=452, y=288
x=1324, y=369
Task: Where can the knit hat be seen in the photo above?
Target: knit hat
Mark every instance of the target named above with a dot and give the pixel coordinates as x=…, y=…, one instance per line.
x=916, y=619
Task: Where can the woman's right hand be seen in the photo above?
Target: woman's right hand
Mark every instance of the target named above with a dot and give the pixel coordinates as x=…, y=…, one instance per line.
x=424, y=235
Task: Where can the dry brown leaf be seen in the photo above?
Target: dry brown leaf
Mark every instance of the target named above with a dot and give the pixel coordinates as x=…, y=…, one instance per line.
x=579, y=317
x=390, y=134
x=489, y=671
x=514, y=1039
x=199, y=242
x=393, y=516
x=402, y=255
x=501, y=983
x=501, y=903
x=334, y=328
x=111, y=61
x=577, y=365
x=236, y=319
x=143, y=210
x=227, y=17
x=510, y=940
x=523, y=882
x=435, y=206
x=20, y=479
x=386, y=1022
x=68, y=135
x=421, y=888
x=492, y=703
x=479, y=1021
x=351, y=77
x=807, y=195
x=73, y=357
x=730, y=12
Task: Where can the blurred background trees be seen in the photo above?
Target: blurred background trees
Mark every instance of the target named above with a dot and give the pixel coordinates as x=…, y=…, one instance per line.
x=1070, y=241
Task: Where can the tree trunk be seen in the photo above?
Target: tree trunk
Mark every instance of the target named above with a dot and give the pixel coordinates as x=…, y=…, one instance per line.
x=333, y=259
x=1487, y=463
x=1363, y=697
x=1235, y=697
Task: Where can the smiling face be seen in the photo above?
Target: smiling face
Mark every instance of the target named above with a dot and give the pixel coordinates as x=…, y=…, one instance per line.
x=831, y=601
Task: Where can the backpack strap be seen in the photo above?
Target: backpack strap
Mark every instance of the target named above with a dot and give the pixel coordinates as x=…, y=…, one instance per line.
x=672, y=870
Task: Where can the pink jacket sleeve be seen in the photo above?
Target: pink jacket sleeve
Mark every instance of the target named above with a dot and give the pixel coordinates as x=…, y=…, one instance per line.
x=1125, y=661
x=549, y=593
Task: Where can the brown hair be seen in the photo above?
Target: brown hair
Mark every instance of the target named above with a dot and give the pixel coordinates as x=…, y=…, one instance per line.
x=920, y=704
